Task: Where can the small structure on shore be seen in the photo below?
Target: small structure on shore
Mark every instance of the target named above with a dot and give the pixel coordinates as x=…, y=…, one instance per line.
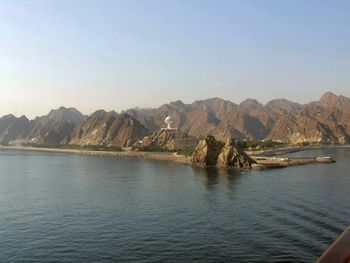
x=167, y=140
x=275, y=162
x=324, y=159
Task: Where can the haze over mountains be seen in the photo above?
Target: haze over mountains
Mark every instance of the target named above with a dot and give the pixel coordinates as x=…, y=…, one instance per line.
x=325, y=121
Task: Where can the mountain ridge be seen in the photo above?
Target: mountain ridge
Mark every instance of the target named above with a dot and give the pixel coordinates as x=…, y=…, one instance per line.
x=326, y=120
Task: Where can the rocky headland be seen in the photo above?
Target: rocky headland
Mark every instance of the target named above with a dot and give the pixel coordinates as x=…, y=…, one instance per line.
x=211, y=152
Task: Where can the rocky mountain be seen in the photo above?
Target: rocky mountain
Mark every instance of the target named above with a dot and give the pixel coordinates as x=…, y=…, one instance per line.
x=54, y=128
x=69, y=126
x=101, y=113
x=108, y=129
x=198, y=118
x=61, y=114
x=49, y=133
x=324, y=121
x=12, y=128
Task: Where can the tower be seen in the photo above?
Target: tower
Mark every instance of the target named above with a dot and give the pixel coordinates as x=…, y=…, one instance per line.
x=168, y=121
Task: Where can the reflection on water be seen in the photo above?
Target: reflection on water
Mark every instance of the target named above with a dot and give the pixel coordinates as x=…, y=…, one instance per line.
x=83, y=209
x=212, y=176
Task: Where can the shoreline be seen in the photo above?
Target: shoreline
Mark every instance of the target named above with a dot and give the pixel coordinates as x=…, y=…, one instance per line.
x=173, y=157
x=286, y=150
x=160, y=156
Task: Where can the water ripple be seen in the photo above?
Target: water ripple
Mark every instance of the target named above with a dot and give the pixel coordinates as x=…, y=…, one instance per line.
x=62, y=208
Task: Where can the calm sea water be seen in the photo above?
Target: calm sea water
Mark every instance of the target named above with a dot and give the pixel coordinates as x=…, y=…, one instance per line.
x=68, y=208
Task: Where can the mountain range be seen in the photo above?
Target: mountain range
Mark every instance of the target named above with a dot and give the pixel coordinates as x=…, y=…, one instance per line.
x=324, y=121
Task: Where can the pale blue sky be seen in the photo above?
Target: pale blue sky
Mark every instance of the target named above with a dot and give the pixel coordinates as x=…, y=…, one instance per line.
x=120, y=54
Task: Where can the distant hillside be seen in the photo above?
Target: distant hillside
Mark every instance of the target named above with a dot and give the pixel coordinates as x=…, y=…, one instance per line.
x=53, y=128
x=71, y=115
x=12, y=128
x=108, y=129
x=324, y=121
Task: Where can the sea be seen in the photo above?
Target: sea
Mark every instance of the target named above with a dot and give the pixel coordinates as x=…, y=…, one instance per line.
x=75, y=208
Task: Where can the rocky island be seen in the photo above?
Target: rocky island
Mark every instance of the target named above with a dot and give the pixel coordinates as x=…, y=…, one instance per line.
x=211, y=152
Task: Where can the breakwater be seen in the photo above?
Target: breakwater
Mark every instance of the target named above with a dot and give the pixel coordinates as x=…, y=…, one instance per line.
x=275, y=162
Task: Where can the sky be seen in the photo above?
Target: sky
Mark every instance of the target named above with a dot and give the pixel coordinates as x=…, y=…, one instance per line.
x=115, y=54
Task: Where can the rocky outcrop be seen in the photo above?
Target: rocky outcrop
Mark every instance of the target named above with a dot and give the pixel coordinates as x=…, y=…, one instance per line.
x=168, y=139
x=207, y=152
x=231, y=156
x=211, y=152
x=108, y=129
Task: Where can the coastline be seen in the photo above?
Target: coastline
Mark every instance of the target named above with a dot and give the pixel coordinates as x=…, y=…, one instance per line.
x=180, y=159
x=286, y=150
x=161, y=156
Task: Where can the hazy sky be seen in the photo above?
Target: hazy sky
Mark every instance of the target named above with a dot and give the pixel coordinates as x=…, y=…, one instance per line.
x=120, y=54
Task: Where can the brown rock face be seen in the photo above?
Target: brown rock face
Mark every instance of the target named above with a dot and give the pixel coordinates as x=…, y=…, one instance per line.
x=323, y=121
x=211, y=152
x=108, y=129
x=12, y=128
x=232, y=156
x=168, y=139
x=207, y=152
x=54, y=128
x=61, y=114
x=49, y=133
